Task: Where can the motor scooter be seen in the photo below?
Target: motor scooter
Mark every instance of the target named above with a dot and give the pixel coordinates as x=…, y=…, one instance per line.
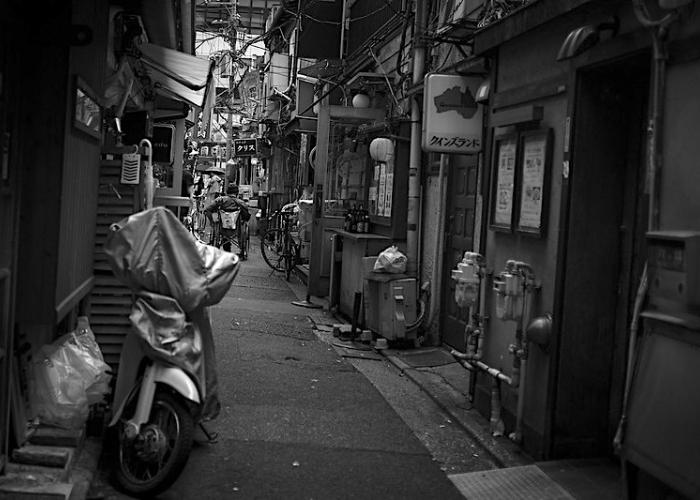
x=166, y=381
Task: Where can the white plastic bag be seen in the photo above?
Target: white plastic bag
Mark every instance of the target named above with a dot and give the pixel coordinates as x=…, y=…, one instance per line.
x=58, y=394
x=391, y=260
x=69, y=375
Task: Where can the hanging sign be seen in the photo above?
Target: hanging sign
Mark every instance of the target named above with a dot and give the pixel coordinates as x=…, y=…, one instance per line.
x=245, y=147
x=452, y=119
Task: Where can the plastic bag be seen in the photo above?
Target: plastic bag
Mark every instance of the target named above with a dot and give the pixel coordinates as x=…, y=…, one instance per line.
x=87, y=358
x=391, y=260
x=69, y=375
x=58, y=394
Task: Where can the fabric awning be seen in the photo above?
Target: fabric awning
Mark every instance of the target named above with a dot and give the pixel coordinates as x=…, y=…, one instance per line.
x=186, y=69
x=179, y=75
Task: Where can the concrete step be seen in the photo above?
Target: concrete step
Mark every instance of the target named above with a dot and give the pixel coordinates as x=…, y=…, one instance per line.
x=48, y=456
x=60, y=474
x=26, y=486
x=53, y=436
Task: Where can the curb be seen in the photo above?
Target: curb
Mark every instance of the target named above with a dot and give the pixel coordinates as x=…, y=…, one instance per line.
x=503, y=454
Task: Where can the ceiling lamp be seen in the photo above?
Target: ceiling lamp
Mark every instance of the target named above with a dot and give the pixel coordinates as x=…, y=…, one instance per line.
x=360, y=101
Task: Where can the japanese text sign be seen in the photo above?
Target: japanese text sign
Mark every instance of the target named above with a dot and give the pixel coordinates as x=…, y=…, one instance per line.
x=245, y=147
x=452, y=119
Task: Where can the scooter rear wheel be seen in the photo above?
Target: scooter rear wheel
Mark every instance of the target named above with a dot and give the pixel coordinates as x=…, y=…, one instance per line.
x=151, y=462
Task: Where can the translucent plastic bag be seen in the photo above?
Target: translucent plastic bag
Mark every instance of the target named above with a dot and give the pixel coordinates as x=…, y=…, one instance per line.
x=84, y=352
x=391, y=260
x=58, y=394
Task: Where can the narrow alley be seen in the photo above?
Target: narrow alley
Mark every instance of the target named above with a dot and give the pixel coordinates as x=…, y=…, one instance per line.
x=299, y=421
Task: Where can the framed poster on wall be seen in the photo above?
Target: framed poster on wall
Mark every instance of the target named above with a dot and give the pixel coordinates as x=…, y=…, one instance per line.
x=505, y=156
x=533, y=169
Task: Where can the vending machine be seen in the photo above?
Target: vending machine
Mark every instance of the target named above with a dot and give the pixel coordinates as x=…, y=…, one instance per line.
x=662, y=436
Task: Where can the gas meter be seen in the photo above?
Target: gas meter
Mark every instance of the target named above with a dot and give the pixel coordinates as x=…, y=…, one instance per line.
x=467, y=277
x=509, y=286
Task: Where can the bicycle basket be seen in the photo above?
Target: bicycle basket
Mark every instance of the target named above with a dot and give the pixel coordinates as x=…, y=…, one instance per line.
x=229, y=219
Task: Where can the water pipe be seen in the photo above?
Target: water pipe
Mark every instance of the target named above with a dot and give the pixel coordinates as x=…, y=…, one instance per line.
x=148, y=173
x=415, y=153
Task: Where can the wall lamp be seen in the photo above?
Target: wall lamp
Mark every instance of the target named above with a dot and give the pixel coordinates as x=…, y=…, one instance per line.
x=585, y=37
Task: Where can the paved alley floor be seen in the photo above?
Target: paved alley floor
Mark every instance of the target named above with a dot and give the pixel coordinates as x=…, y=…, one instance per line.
x=300, y=421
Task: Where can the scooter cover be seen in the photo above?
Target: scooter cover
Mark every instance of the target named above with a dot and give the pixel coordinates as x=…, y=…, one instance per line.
x=174, y=277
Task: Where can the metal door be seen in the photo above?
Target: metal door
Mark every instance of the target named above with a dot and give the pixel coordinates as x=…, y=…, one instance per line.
x=459, y=237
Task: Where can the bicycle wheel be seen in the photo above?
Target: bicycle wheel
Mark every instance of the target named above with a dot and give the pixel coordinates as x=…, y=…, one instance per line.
x=272, y=249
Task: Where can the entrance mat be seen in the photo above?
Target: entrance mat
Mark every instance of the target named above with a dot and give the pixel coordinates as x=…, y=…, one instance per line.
x=527, y=482
x=424, y=358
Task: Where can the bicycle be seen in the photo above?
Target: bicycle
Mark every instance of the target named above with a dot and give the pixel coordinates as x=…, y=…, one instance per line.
x=230, y=230
x=278, y=247
x=199, y=224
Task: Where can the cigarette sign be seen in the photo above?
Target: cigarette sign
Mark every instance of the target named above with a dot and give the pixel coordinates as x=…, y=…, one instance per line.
x=245, y=147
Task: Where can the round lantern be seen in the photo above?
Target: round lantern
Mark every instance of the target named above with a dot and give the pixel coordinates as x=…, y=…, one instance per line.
x=360, y=101
x=381, y=149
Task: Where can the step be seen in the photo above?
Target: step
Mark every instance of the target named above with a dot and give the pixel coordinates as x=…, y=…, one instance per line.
x=50, y=456
x=31, y=487
x=59, y=474
x=54, y=436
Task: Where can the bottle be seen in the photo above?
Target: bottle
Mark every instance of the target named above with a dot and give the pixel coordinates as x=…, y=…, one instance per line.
x=367, y=222
x=348, y=220
x=353, y=226
x=361, y=220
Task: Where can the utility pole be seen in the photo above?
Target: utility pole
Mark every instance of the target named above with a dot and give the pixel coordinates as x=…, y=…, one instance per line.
x=233, y=37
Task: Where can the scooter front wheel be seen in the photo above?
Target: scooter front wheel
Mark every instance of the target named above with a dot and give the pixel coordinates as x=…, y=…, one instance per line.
x=152, y=461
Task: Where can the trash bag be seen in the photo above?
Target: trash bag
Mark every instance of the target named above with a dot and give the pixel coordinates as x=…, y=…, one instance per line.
x=391, y=260
x=82, y=346
x=57, y=394
x=68, y=376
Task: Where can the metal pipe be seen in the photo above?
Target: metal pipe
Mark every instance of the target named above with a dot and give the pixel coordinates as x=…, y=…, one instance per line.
x=435, y=282
x=342, y=30
x=415, y=156
x=496, y=422
x=521, y=352
x=149, y=187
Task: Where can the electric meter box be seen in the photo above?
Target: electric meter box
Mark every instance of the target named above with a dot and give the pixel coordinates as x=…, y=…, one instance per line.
x=674, y=271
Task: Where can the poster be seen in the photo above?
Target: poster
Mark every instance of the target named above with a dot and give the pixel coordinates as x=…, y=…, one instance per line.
x=533, y=165
x=505, y=181
x=389, y=194
x=382, y=189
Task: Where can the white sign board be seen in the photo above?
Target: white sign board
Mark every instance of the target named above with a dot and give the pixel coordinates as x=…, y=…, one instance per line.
x=452, y=119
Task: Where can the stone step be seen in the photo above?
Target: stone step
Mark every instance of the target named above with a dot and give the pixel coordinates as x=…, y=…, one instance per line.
x=53, y=436
x=33, y=487
x=60, y=474
x=49, y=456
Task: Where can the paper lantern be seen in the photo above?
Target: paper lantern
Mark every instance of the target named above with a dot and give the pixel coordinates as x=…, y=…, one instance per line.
x=381, y=149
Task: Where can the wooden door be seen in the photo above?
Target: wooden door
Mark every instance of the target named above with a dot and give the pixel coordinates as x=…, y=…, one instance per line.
x=459, y=237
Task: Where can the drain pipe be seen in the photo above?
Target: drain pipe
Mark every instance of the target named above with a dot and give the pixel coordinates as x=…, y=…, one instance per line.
x=415, y=156
x=435, y=282
x=659, y=29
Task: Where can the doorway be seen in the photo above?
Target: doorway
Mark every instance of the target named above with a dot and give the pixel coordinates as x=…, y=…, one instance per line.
x=605, y=254
x=461, y=203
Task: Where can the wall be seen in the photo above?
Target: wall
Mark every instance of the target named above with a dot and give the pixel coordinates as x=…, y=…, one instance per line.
x=80, y=160
x=680, y=203
x=526, y=61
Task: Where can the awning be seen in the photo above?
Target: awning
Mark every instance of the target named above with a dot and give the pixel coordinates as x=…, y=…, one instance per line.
x=170, y=87
x=186, y=69
x=176, y=74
